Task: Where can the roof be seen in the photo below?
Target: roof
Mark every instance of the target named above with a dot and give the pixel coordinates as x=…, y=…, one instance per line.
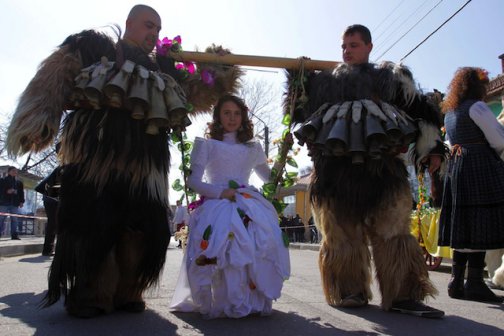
x=496, y=86
x=29, y=180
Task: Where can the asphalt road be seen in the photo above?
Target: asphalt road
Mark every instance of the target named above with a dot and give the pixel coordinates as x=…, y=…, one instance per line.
x=300, y=311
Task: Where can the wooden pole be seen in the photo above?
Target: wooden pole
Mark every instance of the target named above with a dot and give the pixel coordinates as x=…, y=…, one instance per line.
x=248, y=60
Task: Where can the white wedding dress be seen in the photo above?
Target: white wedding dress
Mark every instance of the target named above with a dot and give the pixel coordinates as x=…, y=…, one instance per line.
x=244, y=256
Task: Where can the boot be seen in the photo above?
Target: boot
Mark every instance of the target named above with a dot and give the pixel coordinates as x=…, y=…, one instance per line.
x=456, y=284
x=475, y=288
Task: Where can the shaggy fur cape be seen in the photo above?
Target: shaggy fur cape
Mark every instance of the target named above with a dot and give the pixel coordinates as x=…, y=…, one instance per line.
x=114, y=175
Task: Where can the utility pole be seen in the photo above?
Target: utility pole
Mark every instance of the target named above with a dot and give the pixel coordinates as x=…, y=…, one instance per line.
x=266, y=139
x=266, y=134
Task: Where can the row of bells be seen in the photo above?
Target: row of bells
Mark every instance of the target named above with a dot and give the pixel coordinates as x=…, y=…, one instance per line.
x=152, y=96
x=368, y=134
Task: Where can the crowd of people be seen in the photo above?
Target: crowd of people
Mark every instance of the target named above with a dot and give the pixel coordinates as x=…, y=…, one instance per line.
x=357, y=123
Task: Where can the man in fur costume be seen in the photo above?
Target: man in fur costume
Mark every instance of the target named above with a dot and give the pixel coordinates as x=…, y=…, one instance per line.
x=122, y=103
x=357, y=122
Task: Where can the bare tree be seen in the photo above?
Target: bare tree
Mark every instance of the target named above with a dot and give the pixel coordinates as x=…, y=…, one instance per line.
x=264, y=102
x=40, y=164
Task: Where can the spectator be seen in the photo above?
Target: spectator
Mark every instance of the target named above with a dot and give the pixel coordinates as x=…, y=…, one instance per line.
x=472, y=213
x=11, y=200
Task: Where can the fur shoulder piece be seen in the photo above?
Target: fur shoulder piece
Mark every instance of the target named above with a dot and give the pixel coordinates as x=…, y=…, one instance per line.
x=203, y=95
x=37, y=118
x=397, y=83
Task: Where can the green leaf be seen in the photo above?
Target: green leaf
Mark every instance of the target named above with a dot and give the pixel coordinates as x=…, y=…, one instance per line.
x=286, y=120
x=207, y=233
x=292, y=174
x=292, y=162
x=274, y=172
x=284, y=133
x=177, y=186
x=175, y=137
x=187, y=146
x=285, y=239
x=277, y=205
x=288, y=183
x=233, y=185
x=181, y=199
x=269, y=188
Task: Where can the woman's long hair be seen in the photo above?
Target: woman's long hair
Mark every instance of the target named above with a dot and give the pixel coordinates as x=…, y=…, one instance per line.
x=468, y=83
x=215, y=129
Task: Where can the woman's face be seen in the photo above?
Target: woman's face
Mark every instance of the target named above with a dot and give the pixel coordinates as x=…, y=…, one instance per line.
x=230, y=117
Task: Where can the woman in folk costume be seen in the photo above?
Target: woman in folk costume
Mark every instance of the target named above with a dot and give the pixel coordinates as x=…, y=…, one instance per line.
x=472, y=213
x=236, y=261
x=357, y=122
x=112, y=220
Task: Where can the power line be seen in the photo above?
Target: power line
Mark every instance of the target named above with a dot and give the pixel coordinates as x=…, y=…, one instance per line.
x=392, y=12
x=451, y=17
x=400, y=25
x=407, y=32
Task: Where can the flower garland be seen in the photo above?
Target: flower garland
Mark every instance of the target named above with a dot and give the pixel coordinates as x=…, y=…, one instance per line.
x=166, y=45
x=420, y=205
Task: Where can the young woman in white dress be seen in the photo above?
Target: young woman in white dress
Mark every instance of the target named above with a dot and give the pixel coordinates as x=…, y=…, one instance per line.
x=236, y=260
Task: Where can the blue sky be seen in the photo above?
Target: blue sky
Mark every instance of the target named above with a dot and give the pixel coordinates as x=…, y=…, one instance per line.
x=31, y=29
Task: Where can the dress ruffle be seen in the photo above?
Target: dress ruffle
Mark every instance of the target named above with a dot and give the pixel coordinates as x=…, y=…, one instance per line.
x=241, y=267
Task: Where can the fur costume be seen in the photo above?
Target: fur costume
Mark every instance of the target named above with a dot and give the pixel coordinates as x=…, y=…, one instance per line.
x=112, y=221
x=357, y=121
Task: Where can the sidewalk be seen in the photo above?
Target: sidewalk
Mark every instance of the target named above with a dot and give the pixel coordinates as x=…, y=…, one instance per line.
x=34, y=244
x=27, y=245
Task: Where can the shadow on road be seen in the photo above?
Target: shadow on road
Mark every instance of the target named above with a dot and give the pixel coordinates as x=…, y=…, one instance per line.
x=278, y=324
x=55, y=321
x=393, y=323
x=35, y=260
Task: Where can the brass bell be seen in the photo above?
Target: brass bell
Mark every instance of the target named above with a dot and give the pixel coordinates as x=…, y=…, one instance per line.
x=94, y=89
x=175, y=100
x=116, y=89
x=321, y=137
x=357, y=146
x=81, y=81
x=157, y=116
x=394, y=132
x=139, y=93
x=337, y=140
x=175, y=105
x=310, y=129
x=180, y=128
x=375, y=136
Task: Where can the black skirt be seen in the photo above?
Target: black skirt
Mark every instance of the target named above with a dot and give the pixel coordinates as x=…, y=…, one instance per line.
x=472, y=212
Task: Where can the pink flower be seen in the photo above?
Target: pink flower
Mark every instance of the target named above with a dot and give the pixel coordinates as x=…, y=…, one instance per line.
x=162, y=46
x=186, y=66
x=195, y=204
x=177, y=44
x=207, y=77
x=190, y=67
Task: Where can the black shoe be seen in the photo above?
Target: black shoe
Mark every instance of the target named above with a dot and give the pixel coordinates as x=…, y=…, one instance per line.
x=15, y=238
x=416, y=308
x=455, y=293
x=478, y=291
x=47, y=254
